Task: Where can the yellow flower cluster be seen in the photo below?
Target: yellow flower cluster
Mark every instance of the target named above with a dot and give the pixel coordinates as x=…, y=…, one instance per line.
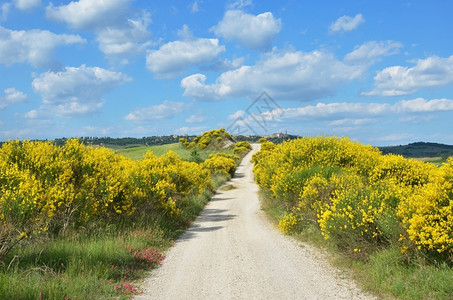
x=208, y=138
x=288, y=223
x=242, y=147
x=43, y=186
x=358, y=197
x=427, y=211
x=162, y=182
x=221, y=163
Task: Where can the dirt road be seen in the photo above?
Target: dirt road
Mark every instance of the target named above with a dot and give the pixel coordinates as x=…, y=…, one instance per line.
x=232, y=252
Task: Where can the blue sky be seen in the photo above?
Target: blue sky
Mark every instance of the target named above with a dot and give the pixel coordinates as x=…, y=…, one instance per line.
x=380, y=72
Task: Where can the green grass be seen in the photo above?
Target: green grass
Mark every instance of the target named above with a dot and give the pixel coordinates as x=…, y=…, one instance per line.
x=137, y=153
x=385, y=273
x=81, y=266
x=389, y=275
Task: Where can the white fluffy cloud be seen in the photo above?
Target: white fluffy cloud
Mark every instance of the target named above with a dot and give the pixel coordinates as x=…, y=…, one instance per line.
x=5, y=8
x=331, y=110
x=166, y=110
x=116, y=33
x=130, y=39
x=33, y=46
x=172, y=58
x=284, y=75
x=346, y=23
x=372, y=50
x=255, y=32
x=88, y=14
x=26, y=4
x=195, y=119
x=358, y=113
x=76, y=91
x=11, y=96
x=420, y=105
x=433, y=71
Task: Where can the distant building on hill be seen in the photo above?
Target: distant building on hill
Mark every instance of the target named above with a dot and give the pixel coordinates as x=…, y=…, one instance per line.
x=277, y=135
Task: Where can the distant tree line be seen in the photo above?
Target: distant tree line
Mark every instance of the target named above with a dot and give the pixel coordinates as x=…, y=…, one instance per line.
x=129, y=142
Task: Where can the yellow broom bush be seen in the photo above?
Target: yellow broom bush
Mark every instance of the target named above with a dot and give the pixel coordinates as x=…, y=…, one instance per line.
x=359, y=198
x=44, y=187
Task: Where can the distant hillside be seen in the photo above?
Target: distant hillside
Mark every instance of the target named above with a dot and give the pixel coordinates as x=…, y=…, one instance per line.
x=420, y=149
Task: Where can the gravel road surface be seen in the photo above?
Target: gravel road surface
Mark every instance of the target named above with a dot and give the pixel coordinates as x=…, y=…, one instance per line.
x=233, y=252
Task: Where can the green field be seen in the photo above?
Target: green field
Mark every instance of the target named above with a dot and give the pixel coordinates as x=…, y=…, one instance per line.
x=137, y=153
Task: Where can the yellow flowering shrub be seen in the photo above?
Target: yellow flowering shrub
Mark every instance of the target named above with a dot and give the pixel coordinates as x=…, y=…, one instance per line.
x=244, y=144
x=427, y=213
x=242, y=147
x=359, y=214
x=260, y=160
x=46, y=187
x=220, y=163
x=26, y=182
x=162, y=182
x=405, y=172
x=223, y=154
x=209, y=139
x=288, y=223
x=240, y=150
x=185, y=143
x=358, y=197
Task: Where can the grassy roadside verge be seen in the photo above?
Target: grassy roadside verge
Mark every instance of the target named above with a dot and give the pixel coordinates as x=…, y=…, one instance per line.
x=385, y=273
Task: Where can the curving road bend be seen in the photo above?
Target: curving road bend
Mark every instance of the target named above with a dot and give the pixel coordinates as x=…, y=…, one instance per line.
x=233, y=252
